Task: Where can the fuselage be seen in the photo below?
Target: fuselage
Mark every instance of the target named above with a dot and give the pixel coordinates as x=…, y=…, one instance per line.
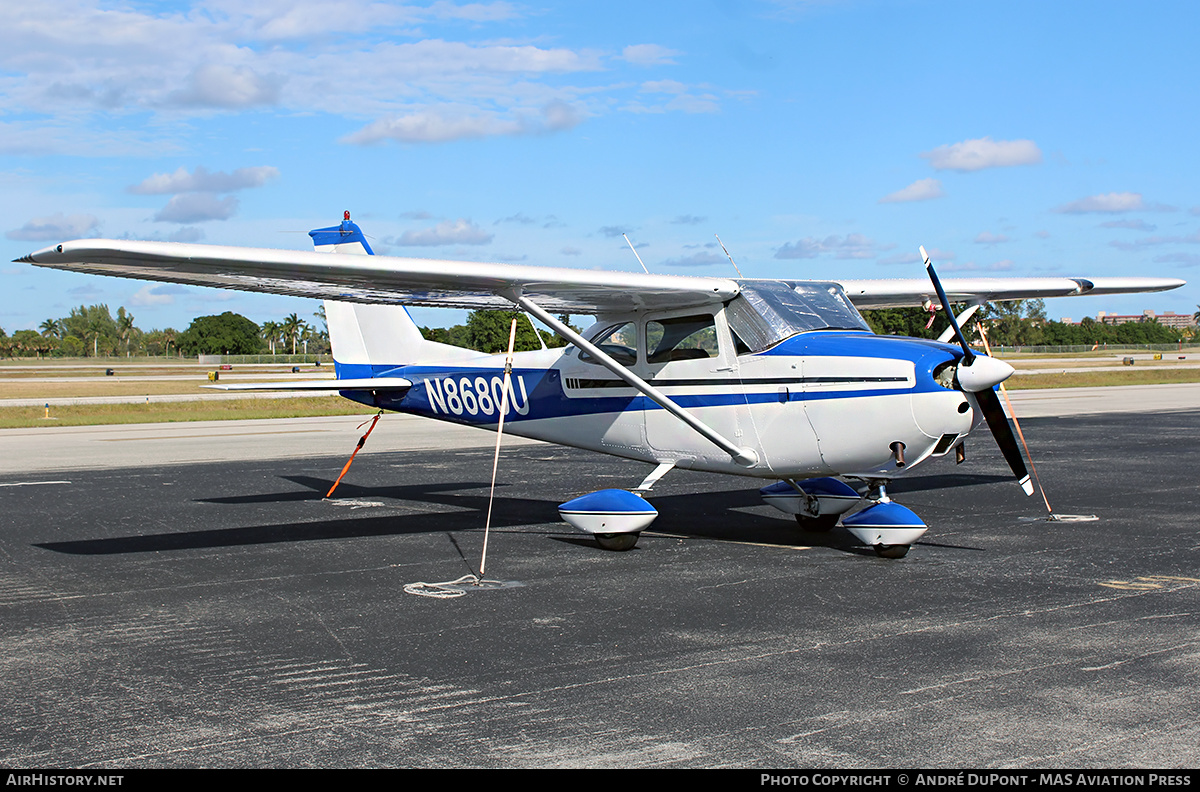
x=818, y=403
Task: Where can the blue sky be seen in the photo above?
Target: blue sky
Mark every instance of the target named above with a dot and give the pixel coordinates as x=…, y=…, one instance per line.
x=819, y=139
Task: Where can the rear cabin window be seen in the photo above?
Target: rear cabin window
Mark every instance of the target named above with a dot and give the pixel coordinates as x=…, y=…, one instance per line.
x=681, y=338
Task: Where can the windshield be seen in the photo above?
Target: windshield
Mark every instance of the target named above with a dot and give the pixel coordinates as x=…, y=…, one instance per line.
x=766, y=312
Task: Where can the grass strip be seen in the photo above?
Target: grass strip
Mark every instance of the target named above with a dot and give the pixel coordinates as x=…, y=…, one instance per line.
x=1098, y=379
x=167, y=412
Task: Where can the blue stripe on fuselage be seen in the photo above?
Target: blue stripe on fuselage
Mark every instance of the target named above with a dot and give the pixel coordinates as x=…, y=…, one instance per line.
x=841, y=343
x=538, y=394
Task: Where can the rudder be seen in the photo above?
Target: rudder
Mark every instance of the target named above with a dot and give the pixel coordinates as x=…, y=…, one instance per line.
x=364, y=334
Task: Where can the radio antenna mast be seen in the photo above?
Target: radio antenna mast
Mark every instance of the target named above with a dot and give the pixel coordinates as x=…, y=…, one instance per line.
x=731, y=261
x=635, y=253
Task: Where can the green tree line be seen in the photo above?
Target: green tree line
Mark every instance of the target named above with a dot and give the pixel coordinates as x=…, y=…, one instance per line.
x=487, y=331
x=1024, y=323
x=92, y=331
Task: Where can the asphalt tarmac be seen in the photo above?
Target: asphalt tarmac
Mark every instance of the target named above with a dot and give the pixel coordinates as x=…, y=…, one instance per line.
x=222, y=614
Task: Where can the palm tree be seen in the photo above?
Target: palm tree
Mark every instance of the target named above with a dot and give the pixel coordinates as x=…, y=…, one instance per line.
x=124, y=327
x=270, y=333
x=291, y=327
x=52, y=328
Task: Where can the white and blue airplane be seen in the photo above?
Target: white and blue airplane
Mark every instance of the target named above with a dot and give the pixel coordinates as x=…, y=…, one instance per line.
x=771, y=379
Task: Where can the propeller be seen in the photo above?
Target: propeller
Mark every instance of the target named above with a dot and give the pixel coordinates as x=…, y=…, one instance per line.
x=979, y=374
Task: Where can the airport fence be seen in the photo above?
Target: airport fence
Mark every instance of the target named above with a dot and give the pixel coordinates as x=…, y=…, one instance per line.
x=279, y=360
x=1101, y=348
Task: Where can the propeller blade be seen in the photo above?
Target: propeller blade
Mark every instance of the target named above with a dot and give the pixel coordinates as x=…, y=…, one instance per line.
x=997, y=421
x=968, y=355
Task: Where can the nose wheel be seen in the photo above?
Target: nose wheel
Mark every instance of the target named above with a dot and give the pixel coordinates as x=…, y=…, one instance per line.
x=886, y=526
x=821, y=524
x=617, y=542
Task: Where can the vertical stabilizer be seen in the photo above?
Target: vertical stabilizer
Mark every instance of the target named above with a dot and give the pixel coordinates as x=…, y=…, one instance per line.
x=364, y=334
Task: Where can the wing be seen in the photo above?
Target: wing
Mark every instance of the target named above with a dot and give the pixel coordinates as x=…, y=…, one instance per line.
x=900, y=292
x=464, y=284
x=384, y=279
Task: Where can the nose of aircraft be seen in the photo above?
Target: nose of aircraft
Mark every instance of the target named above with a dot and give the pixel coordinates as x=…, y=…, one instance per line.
x=982, y=373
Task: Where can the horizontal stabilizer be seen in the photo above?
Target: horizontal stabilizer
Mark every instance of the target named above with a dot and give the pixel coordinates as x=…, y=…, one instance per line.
x=374, y=384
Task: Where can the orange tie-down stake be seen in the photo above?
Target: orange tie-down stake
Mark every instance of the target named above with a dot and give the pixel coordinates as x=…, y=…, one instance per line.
x=361, y=442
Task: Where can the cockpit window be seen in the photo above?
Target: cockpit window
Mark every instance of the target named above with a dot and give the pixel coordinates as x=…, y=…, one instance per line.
x=618, y=341
x=681, y=338
x=766, y=312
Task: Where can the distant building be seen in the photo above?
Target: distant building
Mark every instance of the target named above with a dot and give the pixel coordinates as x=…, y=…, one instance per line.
x=1168, y=319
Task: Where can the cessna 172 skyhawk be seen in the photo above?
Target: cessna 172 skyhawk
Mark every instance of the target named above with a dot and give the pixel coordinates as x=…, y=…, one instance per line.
x=772, y=379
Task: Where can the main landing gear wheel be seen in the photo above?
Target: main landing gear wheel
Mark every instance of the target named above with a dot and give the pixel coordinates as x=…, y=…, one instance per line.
x=618, y=542
x=821, y=523
x=891, y=551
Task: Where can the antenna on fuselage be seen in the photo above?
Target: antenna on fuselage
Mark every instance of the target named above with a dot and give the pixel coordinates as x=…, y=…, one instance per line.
x=635, y=253
x=731, y=261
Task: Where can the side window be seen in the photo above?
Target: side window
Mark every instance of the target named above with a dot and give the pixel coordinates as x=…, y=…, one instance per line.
x=681, y=338
x=618, y=342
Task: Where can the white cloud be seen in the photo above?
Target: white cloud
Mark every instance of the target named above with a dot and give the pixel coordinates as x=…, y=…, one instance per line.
x=851, y=246
x=519, y=217
x=186, y=234
x=1112, y=203
x=973, y=155
x=990, y=239
x=197, y=208
x=200, y=180
x=1182, y=259
x=1004, y=265
x=701, y=259
x=809, y=247
x=457, y=232
x=162, y=294
x=648, y=55
x=1136, y=225
x=279, y=20
x=226, y=86
x=682, y=100
x=431, y=126
x=694, y=103
x=688, y=220
x=920, y=190
x=474, y=12
x=56, y=228
x=1154, y=241
x=935, y=255
x=571, y=251
x=229, y=56
x=441, y=126
x=663, y=86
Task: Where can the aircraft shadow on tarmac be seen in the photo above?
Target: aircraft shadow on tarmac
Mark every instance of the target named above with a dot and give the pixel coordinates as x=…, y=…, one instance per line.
x=722, y=515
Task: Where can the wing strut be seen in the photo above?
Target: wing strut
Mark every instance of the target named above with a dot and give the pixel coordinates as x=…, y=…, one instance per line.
x=746, y=457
